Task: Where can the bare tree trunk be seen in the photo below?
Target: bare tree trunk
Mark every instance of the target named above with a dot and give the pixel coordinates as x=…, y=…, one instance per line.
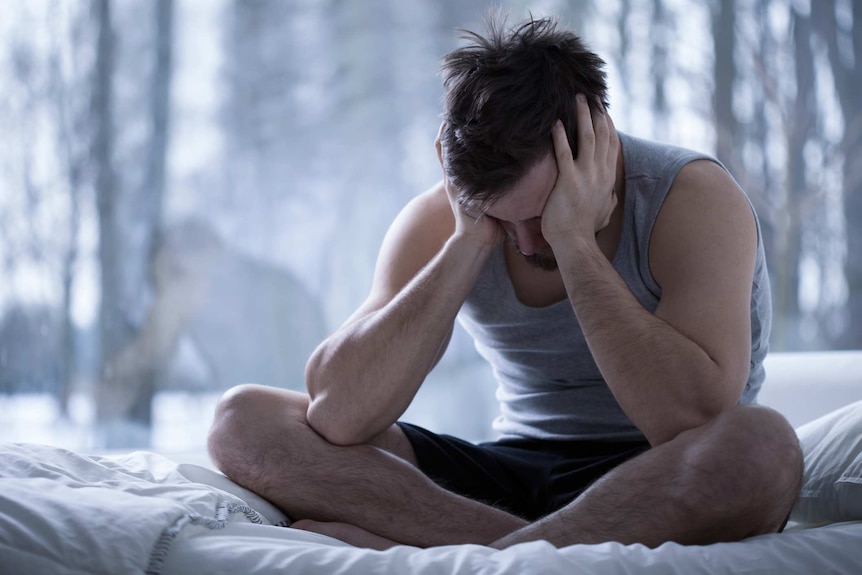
x=128, y=380
x=660, y=70
x=623, y=29
x=114, y=329
x=761, y=184
x=802, y=121
x=73, y=166
x=848, y=78
x=69, y=365
x=727, y=143
x=160, y=112
x=151, y=199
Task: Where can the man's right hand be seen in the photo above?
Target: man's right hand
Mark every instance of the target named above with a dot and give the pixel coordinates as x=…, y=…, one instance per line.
x=478, y=227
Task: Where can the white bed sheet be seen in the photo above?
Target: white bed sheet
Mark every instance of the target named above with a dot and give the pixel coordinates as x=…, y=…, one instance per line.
x=63, y=512
x=259, y=550
x=68, y=514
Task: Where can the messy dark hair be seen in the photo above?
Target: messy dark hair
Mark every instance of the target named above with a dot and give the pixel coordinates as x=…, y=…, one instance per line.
x=503, y=94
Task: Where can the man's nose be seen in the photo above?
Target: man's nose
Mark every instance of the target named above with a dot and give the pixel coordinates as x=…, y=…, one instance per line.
x=529, y=239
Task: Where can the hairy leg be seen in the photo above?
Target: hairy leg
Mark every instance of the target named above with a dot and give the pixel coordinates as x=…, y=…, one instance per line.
x=346, y=532
x=735, y=477
x=261, y=439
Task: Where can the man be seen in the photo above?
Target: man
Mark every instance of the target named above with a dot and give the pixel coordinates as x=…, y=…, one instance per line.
x=619, y=291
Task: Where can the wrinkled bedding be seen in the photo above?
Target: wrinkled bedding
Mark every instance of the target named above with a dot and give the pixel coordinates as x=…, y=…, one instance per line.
x=65, y=513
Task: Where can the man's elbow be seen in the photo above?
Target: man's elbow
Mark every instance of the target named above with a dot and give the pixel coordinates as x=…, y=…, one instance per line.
x=665, y=433
x=328, y=416
x=334, y=428
x=665, y=429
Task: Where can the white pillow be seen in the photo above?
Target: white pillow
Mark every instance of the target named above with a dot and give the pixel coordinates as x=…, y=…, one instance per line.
x=832, y=483
x=198, y=474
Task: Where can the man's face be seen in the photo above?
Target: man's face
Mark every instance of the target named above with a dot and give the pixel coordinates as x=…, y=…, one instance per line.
x=520, y=209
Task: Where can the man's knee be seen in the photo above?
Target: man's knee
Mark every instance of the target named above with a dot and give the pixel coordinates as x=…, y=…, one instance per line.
x=766, y=442
x=774, y=449
x=250, y=425
x=755, y=461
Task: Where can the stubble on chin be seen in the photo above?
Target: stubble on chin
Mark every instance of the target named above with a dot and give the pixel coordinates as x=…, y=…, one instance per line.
x=543, y=260
x=546, y=262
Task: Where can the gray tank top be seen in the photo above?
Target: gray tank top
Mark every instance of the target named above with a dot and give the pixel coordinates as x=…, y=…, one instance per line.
x=549, y=387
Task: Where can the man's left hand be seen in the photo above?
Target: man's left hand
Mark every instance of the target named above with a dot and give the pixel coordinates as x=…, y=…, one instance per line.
x=583, y=198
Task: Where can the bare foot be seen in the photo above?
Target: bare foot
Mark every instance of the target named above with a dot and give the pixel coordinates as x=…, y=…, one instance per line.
x=351, y=534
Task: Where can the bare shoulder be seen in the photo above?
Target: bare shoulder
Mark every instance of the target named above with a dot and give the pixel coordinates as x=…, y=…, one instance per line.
x=416, y=235
x=428, y=214
x=705, y=218
x=702, y=254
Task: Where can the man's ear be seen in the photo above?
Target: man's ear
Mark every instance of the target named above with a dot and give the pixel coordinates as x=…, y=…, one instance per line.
x=438, y=142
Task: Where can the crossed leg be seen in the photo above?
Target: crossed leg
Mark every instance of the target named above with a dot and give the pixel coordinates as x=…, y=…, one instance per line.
x=261, y=439
x=732, y=478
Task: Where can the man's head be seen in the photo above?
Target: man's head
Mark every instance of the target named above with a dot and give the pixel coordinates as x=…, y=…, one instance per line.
x=504, y=91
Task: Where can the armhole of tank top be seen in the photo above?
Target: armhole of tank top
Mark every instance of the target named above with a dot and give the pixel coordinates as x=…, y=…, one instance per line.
x=655, y=205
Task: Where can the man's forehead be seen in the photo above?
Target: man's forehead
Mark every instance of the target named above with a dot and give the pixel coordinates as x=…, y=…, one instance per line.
x=526, y=199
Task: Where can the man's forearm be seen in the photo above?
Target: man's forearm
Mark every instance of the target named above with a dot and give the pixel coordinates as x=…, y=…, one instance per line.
x=363, y=377
x=664, y=381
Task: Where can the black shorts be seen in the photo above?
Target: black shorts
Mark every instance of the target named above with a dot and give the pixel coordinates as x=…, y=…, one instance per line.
x=526, y=477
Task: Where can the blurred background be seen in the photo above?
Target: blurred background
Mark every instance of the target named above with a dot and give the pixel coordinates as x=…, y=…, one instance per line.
x=193, y=192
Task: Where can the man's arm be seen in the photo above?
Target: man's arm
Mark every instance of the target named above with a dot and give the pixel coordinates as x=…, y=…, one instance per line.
x=364, y=376
x=680, y=367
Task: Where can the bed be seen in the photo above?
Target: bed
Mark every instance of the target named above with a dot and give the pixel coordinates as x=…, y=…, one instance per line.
x=66, y=513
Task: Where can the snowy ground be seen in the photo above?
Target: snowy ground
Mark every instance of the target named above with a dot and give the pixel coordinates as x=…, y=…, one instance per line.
x=180, y=421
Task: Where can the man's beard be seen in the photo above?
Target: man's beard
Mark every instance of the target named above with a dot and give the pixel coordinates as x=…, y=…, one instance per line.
x=543, y=259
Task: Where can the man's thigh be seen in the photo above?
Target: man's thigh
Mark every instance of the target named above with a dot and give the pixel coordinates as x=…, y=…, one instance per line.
x=510, y=479
x=528, y=478
x=395, y=442
x=582, y=463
